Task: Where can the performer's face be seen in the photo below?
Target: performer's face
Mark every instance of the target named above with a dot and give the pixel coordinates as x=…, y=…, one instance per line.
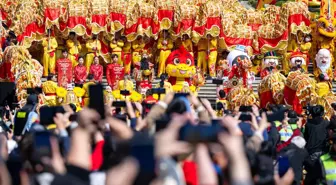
x=81, y=61
x=115, y=59
x=96, y=60
x=65, y=54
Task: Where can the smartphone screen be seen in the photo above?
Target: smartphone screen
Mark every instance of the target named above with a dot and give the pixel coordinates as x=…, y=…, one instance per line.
x=177, y=95
x=42, y=146
x=142, y=149
x=283, y=165
x=200, y=133
x=97, y=99
x=119, y=104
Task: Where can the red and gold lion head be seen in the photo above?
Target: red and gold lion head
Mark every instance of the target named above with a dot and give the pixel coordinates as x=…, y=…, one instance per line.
x=180, y=64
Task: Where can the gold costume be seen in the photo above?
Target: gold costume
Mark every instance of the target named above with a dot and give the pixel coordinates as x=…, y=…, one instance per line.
x=86, y=97
x=165, y=51
x=108, y=97
x=202, y=49
x=127, y=57
x=137, y=46
x=74, y=48
x=61, y=46
x=49, y=89
x=188, y=45
x=49, y=56
x=94, y=49
x=117, y=49
x=212, y=57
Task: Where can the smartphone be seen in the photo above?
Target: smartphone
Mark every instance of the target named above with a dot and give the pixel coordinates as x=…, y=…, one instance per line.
x=142, y=149
x=158, y=90
x=245, y=117
x=200, y=133
x=119, y=104
x=47, y=114
x=42, y=145
x=217, y=81
x=277, y=116
x=125, y=92
x=96, y=101
x=245, y=109
x=181, y=95
x=36, y=90
x=283, y=165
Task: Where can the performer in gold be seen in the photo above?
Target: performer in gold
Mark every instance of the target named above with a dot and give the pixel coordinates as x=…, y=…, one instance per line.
x=86, y=97
x=94, y=48
x=207, y=55
x=49, y=57
x=187, y=44
x=137, y=47
x=49, y=89
x=116, y=46
x=74, y=47
x=165, y=45
x=127, y=56
x=126, y=84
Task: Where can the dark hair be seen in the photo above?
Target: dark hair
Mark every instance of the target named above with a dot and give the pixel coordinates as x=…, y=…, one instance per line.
x=144, y=65
x=50, y=76
x=163, y=77
x=317, y=111
x=149, y=92
x=333, y=105
x=64, y=51
x=176, y=106
x=90, y=77
x=222, y=94
x=72, y=33
x=113, y=56
x=80, y=58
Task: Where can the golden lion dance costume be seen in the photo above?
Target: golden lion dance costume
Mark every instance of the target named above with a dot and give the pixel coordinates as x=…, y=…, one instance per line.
x=108, y=97
x=27, y=72
x=70, y=95
x=126, y=85
x=269, y=65
x=180, y=67
x=299, y=90
x=98, y=11
x=207, y=28
x=271, y=88
x=323, y=73
x=49, y=89
x=240, y=96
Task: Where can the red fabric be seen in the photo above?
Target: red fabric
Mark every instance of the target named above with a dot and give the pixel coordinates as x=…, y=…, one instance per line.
x=127, y=58
x=101, y=20
x=264, y=73
x=150, y=100
x=5, y=72
x=118, y=17
x=166, y=14
x=114, y=73
x=296, y=132
x=97, y=156
x=190, y=172
x=210, y=22
x=272, y=42
x=30, y=30
x=230, y=41
x=265, y=99
x=185, y=24
x=80, y=73
x=53, y=13
x=291, y=99
x=73, y=22
x=64, y=71
x=97, y=71
x=105, y=49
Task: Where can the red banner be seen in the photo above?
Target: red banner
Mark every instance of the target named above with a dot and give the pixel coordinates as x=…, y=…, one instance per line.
x=64, y=71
